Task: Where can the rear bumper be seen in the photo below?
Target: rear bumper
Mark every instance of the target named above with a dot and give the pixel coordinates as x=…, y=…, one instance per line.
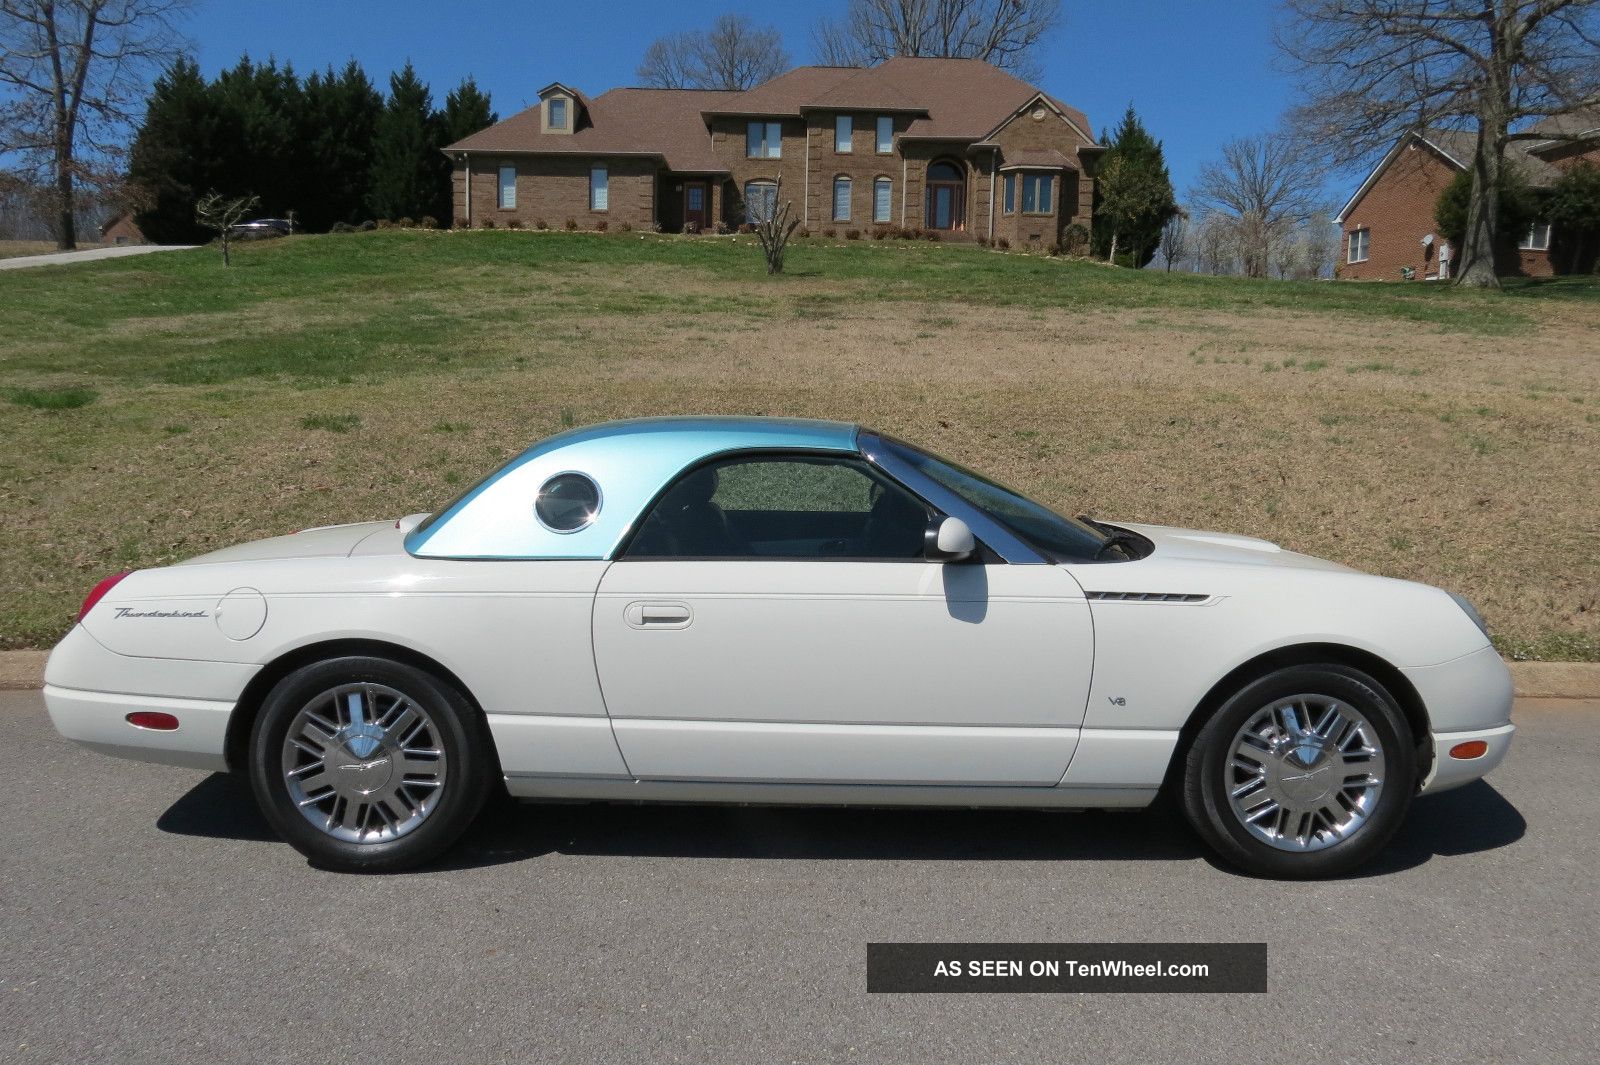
x=99, y=720
x=1451, y=772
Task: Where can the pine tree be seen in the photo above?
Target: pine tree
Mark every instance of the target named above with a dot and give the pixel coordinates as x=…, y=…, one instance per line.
x=407, y=167
x=1133, y=196
x=258, y=110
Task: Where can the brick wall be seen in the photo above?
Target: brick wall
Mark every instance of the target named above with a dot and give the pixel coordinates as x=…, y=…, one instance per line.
x=1073, y=191
x=862, y=165
x=555, y=188
x=1398, y=212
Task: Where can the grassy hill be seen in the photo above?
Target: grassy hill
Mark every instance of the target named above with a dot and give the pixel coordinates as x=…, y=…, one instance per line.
x=161, y=406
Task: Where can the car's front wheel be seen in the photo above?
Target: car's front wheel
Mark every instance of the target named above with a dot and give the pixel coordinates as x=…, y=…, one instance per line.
x=368, y=765
x=1305, y=772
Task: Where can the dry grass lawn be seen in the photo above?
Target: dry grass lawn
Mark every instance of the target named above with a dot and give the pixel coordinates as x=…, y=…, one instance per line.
x=1367, y=425
x=10, y=249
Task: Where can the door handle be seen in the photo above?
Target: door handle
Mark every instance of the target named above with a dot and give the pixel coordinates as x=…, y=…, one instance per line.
x=657, y=615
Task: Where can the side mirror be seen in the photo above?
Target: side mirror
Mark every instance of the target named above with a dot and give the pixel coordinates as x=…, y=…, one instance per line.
x=948, y=540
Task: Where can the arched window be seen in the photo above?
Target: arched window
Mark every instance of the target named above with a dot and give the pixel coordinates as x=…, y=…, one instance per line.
x=760, y=200
x=882, y=199
x=943, y=172
x=841, y=198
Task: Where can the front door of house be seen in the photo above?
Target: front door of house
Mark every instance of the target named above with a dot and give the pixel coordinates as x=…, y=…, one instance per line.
x=696, y=206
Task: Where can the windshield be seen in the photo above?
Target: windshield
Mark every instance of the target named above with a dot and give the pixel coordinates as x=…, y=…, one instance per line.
x=1059, y=537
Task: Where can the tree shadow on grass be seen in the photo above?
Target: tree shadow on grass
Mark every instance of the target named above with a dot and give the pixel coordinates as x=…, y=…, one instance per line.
x=1468, y=820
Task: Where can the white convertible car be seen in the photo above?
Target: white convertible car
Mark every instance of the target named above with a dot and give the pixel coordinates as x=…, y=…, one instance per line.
x=767, y=611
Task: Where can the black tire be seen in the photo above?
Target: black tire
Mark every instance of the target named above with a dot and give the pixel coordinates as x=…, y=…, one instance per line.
x=461, y=734
x=1206, y=775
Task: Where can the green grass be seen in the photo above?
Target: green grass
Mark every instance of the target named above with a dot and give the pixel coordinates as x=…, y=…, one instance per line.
x=52, y=398
x=160, y=406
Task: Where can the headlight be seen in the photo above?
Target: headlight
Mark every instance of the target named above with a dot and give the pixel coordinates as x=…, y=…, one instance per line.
x=1471, y=611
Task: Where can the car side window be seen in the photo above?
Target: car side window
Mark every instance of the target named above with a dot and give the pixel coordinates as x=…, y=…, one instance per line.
x=783, y=507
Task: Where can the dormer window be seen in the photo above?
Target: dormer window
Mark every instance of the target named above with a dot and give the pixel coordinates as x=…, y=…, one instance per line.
x=558, y=113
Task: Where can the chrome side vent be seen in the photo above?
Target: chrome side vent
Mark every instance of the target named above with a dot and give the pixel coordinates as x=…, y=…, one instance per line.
x=1147, y=597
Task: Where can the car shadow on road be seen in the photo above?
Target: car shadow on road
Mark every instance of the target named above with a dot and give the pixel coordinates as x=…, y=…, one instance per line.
x=1469, y=820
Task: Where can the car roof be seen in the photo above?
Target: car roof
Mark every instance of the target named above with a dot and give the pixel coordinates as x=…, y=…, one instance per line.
x=628, y=461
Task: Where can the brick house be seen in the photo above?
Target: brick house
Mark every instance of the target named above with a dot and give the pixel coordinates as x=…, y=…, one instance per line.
x=120, y=229
x=1388, y=224
x=955, y=145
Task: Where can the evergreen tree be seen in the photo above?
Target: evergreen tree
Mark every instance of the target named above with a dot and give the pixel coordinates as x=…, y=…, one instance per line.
x=1573, y=208
x=1517, y=209
x=174, y=152
x=466, y=111
x=337, y=125
x=1133, y=196
x=408, y=169
x=259, y=106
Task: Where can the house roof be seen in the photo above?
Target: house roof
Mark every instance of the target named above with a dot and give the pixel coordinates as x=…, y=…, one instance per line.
x=1456, y=148
x=658, y=122
x=950, y=99
x=1561, y=130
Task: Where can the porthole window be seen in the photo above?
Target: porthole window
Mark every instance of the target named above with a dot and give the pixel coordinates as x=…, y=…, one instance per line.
x=567, y=503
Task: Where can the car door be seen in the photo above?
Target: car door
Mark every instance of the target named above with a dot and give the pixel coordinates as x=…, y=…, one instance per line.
x=774, y=619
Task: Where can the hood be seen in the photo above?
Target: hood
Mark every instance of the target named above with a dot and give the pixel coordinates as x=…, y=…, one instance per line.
x=327, y=541
x=1201, y=546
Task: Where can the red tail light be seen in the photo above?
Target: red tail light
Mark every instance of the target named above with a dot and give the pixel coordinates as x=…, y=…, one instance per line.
x=98, y=592
x=153, y=719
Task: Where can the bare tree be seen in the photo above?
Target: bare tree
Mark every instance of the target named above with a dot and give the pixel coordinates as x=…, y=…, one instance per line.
x=76, y=72
x=774, y=227
x=1215, y=244
x=1376, y=69
x=221, y=213
x=1006, y=33
x=1175, y=239
x=734, y=54
x=1265, y=185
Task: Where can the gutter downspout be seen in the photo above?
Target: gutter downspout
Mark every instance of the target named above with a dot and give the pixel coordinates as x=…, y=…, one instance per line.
x=805, y=209
x=903, y=189
x=467, y=156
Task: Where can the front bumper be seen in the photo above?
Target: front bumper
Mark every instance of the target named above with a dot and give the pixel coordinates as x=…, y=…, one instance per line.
x=1448, y=772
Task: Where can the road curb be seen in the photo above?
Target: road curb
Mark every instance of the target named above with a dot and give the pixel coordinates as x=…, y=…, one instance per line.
x=24, y=671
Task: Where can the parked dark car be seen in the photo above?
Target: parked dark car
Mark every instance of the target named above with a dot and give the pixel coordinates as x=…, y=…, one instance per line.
x=262, y=228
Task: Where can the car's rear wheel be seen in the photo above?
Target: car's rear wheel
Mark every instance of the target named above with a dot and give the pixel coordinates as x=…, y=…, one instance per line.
x=1305, y=772
x=369, y=765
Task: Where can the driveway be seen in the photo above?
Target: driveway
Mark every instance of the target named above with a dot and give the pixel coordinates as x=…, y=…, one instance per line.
x=147, y=914
x=87, y=255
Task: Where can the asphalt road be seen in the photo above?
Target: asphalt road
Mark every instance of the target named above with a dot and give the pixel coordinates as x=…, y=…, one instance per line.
x=147, y=914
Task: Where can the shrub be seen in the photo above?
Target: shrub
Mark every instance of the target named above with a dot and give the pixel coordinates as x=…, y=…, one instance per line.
x=572, y=225
x=601, y=225
x=1052, y=249
x=852, y=234
x=427, y=221
x=384, y=223
x=828, y=233
x=802, y=232
x=405, y=222
x=719, y=227
x=341, y=227
x=1075, y=241
x=691, y=228
x=626, y=227
x=1002, y=243
x=487, y=223
x=513, y=223
x=746, y=227
x=983, y=242
x=539, y=223
x=368, y=226
x=655, y=227
x=461, y=223
x=933, y=235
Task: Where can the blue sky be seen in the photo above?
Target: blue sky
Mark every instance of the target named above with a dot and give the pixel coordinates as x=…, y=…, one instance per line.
x=1198, y=74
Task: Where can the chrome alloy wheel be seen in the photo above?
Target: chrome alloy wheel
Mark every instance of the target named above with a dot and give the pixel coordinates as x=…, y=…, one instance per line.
x=1305, y=772
x=364, y=763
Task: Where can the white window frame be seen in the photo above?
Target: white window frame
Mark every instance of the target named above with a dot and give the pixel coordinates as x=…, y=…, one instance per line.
x=768, y=193
x=885, y=135
x=882, y=210
x=767, y=137
x=1042, y=187
x=843, y=182
x=844, y=130
x=1531, y=239
x=1361, y=236
x=599, y=190
x=506, y=191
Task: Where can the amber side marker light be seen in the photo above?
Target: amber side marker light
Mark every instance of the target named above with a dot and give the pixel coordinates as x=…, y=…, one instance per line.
x=1469, y=750
x=153, y=719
